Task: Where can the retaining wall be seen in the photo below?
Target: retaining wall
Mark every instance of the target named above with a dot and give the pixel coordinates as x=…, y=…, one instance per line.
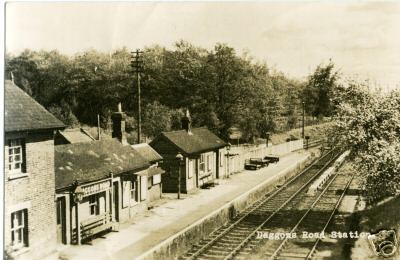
x=181, y=242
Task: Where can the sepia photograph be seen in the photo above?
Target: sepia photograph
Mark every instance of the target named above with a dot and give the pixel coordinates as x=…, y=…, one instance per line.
x=179, y=130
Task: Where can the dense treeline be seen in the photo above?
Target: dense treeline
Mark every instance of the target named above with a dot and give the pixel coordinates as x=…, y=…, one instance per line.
x=220, y=88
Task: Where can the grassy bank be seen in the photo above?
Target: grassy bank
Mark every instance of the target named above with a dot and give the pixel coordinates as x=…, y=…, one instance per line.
x=315, y=132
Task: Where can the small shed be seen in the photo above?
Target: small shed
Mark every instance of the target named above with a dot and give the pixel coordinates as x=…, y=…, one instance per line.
x=202, y=154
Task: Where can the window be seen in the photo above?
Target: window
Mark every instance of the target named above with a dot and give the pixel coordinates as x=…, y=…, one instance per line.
x=149, y=182
x=94, y=204
x=202, y=164
x=221, y=163
x=16, y=155
x=19, y=229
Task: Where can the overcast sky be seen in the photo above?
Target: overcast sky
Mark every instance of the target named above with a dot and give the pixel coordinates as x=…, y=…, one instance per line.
x=362, y=38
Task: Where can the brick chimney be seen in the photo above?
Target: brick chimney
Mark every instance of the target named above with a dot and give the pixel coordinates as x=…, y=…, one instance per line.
x=118, y=125
x=187, y=122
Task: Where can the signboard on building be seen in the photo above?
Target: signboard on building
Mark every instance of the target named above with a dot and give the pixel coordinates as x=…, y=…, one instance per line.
x=95, y=188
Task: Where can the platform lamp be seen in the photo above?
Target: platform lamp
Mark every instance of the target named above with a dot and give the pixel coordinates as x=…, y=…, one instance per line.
x=228, y=149
x=267, y=135
x=78, y=192
x=179, y=158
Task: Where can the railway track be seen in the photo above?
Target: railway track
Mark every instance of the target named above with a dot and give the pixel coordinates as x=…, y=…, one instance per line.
x=237, y=238
x=313, y=221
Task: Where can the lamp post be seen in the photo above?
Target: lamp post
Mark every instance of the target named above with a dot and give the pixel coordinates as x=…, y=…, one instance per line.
x=228, y=148
x=302, y=127
x=78, y=197
x=267, y=134
x=179, y=158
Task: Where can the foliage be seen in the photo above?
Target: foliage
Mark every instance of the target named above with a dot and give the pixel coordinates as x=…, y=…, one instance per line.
x=64, y=114
x=220, y=88
x=156, y=119
x=368, y=123
x=317, y=95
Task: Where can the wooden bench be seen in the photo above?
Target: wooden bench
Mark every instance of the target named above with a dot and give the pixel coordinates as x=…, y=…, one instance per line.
x=259, y=161
x=272, y=158
x=251, y=166
x=96, y=224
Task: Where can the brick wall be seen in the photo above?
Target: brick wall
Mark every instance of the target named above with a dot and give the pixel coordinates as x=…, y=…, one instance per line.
x=36, y=191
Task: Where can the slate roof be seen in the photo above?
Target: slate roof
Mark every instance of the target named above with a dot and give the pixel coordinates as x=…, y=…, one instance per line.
x=93, y=161
x=75, y=135
x=200, y=140
x=147, y=152
x=23, y=113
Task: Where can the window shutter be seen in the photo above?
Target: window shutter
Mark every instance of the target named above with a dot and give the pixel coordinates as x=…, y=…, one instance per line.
x=23, y=166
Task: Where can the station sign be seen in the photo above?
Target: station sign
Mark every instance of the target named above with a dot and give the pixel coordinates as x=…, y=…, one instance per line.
x=95, y=188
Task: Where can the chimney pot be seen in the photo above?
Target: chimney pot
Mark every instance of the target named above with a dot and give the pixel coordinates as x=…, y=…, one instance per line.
x=186, y=122
x=118, y=125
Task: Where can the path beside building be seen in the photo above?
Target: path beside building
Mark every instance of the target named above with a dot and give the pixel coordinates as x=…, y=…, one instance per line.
x=163, y=221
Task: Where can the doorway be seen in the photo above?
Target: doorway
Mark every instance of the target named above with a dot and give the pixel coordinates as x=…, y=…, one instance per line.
x=116, y=201
x=61, y=234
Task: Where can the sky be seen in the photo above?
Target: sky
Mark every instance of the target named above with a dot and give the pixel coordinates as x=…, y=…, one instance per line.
x=362, y=38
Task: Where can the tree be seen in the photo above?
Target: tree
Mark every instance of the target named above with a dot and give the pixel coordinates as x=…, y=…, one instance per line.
x=156, y=119
x=368, y=124
x=318, y=91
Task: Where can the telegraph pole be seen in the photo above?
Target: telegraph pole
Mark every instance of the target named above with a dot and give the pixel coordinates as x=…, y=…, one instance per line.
x=137, y=65
x=302, y=127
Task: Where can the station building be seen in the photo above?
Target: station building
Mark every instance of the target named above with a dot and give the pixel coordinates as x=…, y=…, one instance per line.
x=203, y=157
x=101, y=183
x=29, y=179
x=98, y=184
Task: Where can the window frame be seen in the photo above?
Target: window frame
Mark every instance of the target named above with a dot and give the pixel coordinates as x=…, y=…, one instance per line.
x=95, y=204
x=13, y=145
x=22, y=228
x=202, y=165
x=133, y=190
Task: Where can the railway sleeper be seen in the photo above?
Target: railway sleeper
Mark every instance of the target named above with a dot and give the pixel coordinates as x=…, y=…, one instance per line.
x=286, y=255
x=217, y=251
x=208, y=256
x=230, y=240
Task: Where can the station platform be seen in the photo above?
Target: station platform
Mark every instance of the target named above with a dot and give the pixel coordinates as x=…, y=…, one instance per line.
x=170, y=216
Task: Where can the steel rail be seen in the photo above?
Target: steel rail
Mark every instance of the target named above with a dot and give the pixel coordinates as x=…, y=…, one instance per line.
x=309, y=255
x=236, y=249
x=277, y=251
x=204, y=247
